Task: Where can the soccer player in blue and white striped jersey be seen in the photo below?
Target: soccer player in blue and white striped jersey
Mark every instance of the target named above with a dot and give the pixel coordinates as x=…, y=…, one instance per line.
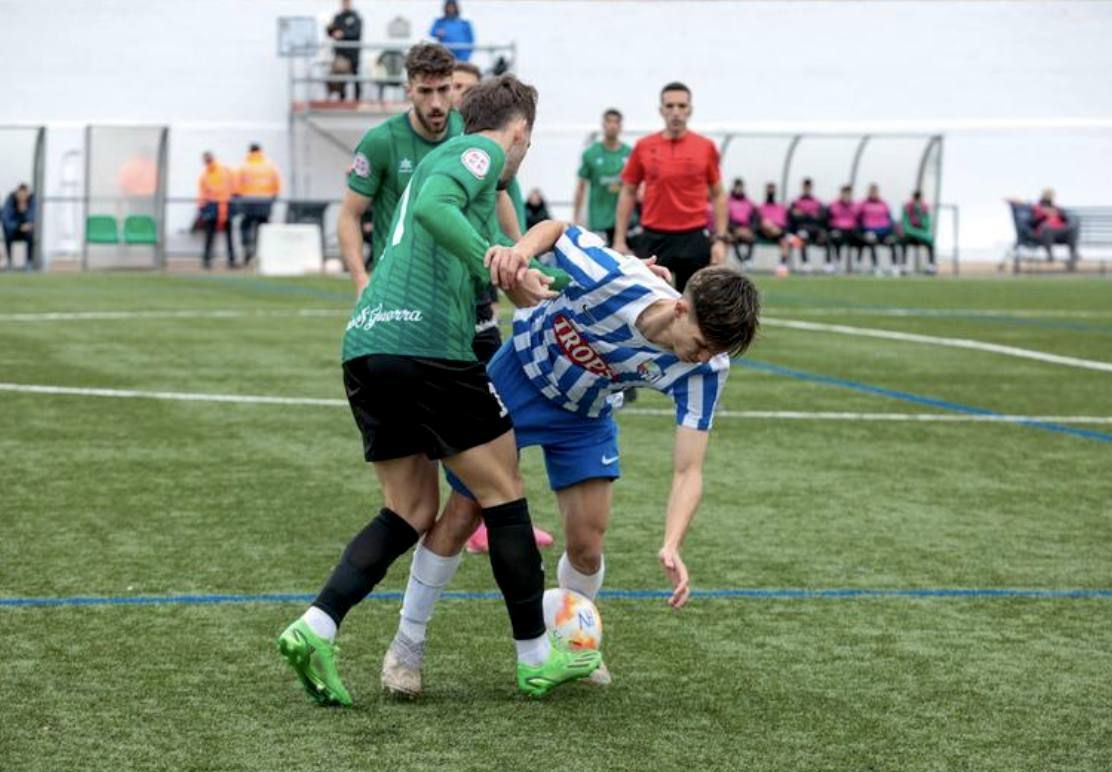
x=616, y=326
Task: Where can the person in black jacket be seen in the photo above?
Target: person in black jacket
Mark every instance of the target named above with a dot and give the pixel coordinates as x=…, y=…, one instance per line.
x=18, y=217
x=347, y=26
x=536, y=209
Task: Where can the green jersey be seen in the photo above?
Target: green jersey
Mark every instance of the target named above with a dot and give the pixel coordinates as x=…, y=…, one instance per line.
x=602, y=168
x=384, y=163
x=421, y=297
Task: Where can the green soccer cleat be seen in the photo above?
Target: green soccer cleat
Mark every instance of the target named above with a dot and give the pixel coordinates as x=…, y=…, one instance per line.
x=562, y=665
x=314, y=660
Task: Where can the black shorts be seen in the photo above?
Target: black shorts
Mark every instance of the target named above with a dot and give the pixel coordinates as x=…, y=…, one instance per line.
x=409, y=405
x=682, y=252
x=486, y=343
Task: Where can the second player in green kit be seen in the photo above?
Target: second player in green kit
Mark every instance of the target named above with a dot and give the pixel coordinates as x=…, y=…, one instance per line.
x=389, y=153
x=600, y=179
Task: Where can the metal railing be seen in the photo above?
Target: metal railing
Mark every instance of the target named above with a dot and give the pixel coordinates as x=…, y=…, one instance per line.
x=383, y=69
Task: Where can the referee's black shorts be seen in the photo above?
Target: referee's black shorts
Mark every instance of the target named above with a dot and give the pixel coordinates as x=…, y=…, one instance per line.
x=405, y=405
x=681, y=252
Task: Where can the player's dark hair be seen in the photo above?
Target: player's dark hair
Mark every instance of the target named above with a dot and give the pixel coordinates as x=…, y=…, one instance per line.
x=727, y=307
x=676, y=86
x=469, y=68
x=429, y=60
x=492, y=104
x=612, y=113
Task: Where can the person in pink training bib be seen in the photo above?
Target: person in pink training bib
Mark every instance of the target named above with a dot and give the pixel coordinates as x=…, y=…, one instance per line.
x=877, y=228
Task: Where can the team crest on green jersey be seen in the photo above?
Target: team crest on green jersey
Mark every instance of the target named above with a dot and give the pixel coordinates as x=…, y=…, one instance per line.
x=476, y=161
x=361, y=165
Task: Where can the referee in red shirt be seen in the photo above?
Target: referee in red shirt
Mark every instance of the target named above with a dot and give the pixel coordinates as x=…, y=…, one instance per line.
x=678, y=168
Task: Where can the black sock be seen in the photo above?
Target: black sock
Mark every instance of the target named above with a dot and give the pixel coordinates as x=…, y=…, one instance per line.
x=364, y=562
x=517, y=565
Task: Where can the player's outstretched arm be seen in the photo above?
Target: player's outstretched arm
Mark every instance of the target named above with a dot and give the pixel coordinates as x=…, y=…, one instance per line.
x=683, y=501
x=626, y=199
x=718, y=249
x=507, y=216
x=350, y=232
x=580, y=197
x=508, y=264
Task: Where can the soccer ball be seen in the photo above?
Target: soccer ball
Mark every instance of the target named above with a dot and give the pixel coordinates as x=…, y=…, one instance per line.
x=573, y=618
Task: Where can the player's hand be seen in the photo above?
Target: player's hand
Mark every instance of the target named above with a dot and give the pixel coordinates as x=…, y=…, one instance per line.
x=621, y=246
x=658, y=270
x=507, y=266
x=531, y=290
x=718, y=253
x=677, y=574
x=361, y=283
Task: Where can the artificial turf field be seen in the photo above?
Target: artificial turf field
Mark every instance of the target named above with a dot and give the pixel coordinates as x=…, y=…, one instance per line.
x=129, y=496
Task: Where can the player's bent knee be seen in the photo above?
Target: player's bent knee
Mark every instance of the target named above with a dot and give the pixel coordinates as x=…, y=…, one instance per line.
x=585, y=554
x=460, y=519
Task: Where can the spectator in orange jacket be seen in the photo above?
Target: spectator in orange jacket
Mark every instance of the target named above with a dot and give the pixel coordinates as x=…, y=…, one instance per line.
x=215, y=189
x=258, y=185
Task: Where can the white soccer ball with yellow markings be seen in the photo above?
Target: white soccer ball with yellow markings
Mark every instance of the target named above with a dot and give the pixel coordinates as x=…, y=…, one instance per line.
x=573, y=618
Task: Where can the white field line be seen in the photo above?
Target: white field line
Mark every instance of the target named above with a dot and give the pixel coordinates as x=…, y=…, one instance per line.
x=1023, y=313
x=227, y=313
x=179, y=396
x=975, y=345
x=799, y=415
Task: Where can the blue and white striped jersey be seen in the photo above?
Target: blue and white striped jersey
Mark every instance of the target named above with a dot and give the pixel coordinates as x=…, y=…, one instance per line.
x=583, y=346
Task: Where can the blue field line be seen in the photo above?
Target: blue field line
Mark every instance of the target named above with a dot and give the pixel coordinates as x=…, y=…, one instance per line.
x=917, y=399
x=753, y=594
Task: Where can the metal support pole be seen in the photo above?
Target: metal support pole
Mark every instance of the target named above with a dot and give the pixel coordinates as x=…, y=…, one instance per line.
x=85, y=203
x=38, y=180
x=160, y=199
x=787, y=167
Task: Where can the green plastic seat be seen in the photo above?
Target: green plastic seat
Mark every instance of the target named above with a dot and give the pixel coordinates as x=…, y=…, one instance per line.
x=140, y=229
x=101, y=229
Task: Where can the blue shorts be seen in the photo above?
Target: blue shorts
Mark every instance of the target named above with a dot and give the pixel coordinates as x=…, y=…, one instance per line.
x=575, y=448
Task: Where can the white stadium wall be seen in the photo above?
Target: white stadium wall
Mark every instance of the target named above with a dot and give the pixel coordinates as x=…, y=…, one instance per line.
x=1021, y=89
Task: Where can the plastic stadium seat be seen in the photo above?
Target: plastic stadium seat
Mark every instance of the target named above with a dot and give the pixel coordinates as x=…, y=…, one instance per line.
x=140, y=229
x=101, y=229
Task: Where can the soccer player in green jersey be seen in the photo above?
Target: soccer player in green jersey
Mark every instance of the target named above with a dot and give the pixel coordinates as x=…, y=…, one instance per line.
x=600, y=170
x=418, y=394
x=389, y=153
x=487, y=338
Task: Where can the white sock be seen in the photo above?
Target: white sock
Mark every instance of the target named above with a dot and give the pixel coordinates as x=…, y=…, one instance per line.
x=320, y=623
x=533, y=652
x=572, y=579
x=429, y=574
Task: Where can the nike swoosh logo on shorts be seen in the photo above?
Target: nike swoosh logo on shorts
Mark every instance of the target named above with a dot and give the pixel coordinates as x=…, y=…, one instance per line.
x=610, y=460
